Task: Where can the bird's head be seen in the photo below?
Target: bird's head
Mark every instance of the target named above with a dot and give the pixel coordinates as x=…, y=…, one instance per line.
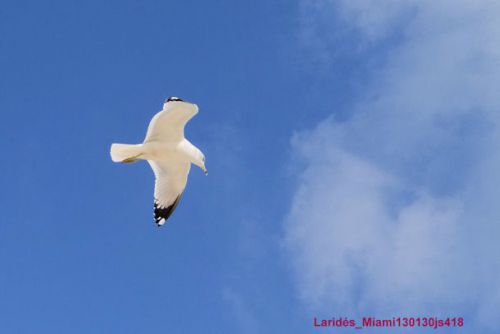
x=202, y=166
x=199, y=160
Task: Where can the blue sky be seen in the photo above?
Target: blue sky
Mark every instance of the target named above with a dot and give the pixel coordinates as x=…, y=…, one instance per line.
x=351, y=148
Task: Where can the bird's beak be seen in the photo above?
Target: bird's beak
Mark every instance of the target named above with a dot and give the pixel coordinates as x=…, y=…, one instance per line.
x=205, y=171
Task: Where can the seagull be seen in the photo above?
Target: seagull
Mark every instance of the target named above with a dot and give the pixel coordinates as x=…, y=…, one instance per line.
x=169, y=154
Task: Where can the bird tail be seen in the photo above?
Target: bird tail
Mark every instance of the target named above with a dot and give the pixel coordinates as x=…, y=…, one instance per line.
x=125, y=153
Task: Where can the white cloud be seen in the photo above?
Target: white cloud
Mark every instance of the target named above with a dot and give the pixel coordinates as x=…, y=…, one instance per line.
x=397, y=208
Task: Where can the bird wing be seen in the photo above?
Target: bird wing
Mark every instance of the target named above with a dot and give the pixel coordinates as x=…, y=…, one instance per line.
x=168, y=124
x=170, y=181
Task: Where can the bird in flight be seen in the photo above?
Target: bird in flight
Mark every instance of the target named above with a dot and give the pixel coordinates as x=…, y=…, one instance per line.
x=169, y=154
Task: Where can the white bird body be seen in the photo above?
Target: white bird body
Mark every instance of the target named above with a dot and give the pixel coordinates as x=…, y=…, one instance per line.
x=164, y=150
x=169, y=154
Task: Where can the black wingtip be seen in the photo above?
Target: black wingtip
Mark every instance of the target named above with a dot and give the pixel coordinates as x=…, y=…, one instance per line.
x=173, y=98
x=161, y=214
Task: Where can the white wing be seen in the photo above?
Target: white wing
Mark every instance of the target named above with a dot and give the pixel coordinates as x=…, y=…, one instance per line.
x=168, y=124
x=170, y=181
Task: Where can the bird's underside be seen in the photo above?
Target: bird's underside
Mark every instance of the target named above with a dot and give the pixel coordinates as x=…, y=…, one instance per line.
x=165, y=150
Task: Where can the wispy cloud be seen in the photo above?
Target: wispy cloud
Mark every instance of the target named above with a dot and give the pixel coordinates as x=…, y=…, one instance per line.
x=397, y=208
x=244, y=317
